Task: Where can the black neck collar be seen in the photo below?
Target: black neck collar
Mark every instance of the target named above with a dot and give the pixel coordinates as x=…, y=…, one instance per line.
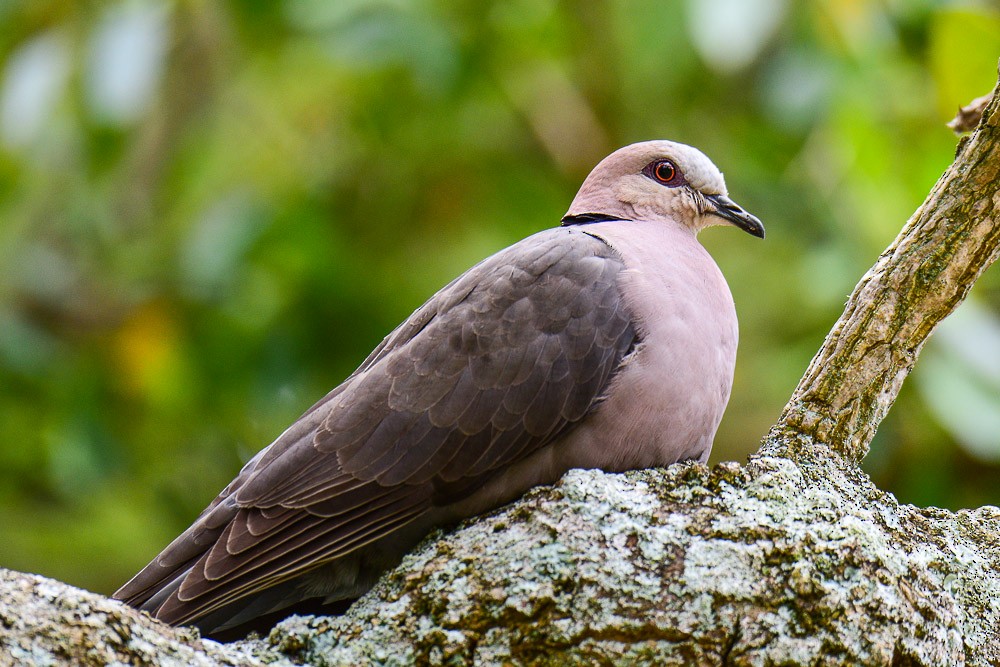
x=587, y=218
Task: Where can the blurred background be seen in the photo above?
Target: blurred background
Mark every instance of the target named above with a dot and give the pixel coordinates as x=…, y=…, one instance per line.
x=210, y=212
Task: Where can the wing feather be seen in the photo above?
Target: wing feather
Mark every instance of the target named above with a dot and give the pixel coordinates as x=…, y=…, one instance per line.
x=496, y=365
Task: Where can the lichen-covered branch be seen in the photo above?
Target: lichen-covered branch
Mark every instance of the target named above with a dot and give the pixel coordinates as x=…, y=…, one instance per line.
x=773, y=563
x=46, y=622
x=776, y=562
x=926, y=272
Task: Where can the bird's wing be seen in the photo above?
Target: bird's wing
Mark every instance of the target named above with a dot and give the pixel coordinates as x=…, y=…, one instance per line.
x=494, y=366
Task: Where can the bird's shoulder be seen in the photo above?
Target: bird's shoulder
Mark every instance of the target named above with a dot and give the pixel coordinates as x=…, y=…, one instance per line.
x=535, y=268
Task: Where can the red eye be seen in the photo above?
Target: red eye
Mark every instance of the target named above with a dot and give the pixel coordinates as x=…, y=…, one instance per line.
x=664, y=171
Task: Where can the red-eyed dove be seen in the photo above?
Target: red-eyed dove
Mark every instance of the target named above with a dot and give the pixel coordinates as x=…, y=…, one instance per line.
x=608, y=342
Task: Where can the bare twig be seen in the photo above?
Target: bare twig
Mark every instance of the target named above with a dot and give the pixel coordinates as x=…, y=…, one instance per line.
x=968, y=117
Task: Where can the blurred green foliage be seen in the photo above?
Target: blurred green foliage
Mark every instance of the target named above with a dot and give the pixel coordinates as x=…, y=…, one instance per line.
x=211, y=211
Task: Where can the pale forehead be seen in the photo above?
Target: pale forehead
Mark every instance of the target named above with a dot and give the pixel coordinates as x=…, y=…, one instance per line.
x=699, y=171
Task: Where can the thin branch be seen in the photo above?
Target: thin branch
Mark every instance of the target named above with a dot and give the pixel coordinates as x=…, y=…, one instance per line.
x=927, y=271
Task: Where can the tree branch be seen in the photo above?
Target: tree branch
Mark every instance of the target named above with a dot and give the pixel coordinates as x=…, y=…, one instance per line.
x=917, y=281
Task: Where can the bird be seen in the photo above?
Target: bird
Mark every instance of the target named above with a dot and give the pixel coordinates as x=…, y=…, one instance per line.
x=608, y=342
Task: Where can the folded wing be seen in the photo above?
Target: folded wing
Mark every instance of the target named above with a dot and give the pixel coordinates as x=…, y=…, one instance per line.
x=496, y=365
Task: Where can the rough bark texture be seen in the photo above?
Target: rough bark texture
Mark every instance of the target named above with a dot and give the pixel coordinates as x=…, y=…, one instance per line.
x=776, y=562
x=794, y=558
x=919, y=280
x=45, y=622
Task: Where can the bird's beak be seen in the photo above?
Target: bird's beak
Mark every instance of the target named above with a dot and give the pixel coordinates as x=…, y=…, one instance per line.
x=729, y=210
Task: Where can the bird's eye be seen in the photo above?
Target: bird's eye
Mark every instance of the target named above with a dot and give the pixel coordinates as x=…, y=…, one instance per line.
x=664, y=172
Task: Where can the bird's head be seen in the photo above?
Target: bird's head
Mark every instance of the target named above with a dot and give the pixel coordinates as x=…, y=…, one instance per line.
x=659, y=180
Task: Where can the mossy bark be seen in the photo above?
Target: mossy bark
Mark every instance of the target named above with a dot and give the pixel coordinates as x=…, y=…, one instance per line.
x=794, y=558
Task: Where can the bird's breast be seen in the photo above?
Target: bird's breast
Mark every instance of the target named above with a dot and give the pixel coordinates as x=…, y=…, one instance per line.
x=666, y=402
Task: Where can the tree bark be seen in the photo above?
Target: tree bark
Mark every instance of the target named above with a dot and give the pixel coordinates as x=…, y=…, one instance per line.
x=916, y=282
x=794, y=558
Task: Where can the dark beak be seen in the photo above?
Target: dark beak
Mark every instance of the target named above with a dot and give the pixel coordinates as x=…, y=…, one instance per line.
x=729, y=210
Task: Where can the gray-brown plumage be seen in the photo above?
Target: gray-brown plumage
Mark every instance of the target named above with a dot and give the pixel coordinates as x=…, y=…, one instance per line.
x=608, y=342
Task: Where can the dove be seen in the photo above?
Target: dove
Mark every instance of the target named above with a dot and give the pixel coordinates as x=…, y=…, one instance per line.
x=607, y=342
